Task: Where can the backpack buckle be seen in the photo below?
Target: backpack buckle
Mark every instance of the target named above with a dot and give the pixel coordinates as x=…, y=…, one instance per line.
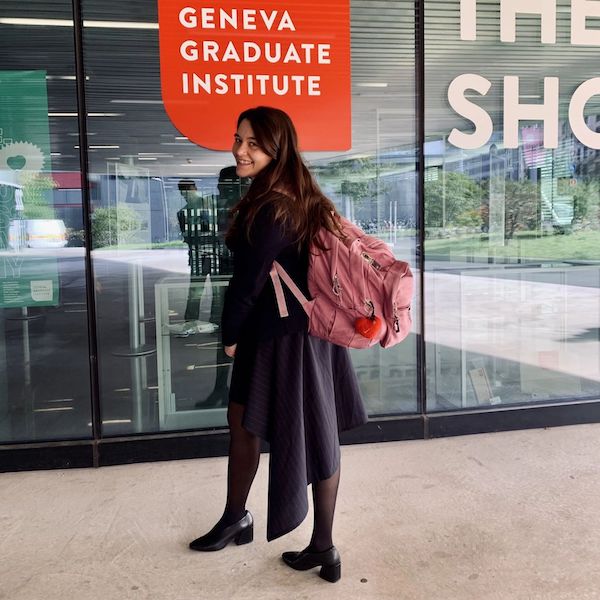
x=395, y=317
x=371, y=261
x=336, y=288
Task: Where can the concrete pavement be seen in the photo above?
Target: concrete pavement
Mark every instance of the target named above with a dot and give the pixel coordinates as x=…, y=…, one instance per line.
x=512, y=516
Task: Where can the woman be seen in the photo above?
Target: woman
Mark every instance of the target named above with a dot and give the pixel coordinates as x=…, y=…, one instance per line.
x=288, y=388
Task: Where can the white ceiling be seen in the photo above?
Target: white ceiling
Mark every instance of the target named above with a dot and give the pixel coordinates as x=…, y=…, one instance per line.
x=123, y=64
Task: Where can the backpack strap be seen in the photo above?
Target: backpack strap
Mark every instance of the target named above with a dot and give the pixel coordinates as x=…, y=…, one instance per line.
x=278, y=273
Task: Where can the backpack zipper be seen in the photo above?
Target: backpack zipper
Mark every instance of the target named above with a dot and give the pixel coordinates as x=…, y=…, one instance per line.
x=336, y=288
x=371, y=261
x=395, y=317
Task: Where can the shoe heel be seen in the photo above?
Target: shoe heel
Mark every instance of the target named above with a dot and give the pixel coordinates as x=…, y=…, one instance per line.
x=246, y=536
x=331, y=573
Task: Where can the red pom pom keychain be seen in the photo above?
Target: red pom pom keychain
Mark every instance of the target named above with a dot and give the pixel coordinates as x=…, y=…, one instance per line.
x=368, y=326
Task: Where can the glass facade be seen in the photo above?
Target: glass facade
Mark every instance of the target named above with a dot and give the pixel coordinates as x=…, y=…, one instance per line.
x=44, y=364
x=511, y=221
x=160, y=204
x=495, y=204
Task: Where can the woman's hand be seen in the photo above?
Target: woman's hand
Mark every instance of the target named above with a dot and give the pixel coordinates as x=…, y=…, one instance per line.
x=230, y=350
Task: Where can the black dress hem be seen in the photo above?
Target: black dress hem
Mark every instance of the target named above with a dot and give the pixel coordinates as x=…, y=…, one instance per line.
x=299, y=393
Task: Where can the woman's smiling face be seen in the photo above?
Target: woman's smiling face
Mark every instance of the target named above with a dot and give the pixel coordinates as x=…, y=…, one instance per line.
x=249, y=157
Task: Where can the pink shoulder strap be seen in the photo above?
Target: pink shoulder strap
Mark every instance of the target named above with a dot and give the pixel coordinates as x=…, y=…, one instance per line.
x=278, y=273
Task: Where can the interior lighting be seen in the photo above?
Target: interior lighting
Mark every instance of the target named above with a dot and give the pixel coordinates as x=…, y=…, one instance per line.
x=200, y=174
x=372, y=85
x=74, y=114
x=69, y=23
x=121, y=24
x=65, y=77
x=100, y=147
x=39, y=22
x=136, y=101
x=196, y=165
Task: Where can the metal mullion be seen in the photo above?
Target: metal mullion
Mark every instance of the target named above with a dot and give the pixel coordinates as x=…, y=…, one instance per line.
x=85, y=190
x=420, y=119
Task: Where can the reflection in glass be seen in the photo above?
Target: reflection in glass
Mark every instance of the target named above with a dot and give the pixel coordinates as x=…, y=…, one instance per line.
x=512, y=234
x=44, y=366
x=160, y=206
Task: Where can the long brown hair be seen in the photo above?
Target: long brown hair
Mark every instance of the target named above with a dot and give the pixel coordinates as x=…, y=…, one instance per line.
x=305, y=208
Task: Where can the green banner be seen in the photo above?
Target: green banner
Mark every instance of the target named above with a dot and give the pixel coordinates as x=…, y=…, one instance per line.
x=28, y=281
x=24, y=148
x=24, y=159
x=24, y=128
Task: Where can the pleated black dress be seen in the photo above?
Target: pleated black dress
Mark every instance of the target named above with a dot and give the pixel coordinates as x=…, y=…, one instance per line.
x=299, y=391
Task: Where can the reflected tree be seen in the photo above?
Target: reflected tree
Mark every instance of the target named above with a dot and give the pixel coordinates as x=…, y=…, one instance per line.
x=36, y=204
x=111, y=226
x=586, y=204
x=522, y=206
x=454, y=199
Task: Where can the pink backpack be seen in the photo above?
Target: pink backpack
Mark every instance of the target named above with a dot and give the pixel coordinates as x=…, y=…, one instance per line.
x=360, y=293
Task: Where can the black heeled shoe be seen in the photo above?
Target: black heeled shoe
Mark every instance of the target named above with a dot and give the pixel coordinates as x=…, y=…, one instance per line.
x=218, y=537
x=329, y=561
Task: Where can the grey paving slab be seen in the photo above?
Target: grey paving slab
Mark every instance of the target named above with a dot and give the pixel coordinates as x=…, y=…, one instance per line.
x=510, y=516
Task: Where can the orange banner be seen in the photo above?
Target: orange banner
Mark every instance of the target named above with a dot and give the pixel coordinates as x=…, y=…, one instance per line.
x=219, y=58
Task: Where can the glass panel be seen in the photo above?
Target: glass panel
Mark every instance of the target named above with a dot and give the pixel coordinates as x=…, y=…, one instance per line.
x=44, y=367
x=160, y=203
x=374, y=184
x=512, y=218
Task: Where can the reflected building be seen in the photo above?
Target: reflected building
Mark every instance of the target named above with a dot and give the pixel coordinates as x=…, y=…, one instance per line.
x=113, y=261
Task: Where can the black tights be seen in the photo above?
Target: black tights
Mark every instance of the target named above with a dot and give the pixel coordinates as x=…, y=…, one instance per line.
x=324, y=497
x=244, y=455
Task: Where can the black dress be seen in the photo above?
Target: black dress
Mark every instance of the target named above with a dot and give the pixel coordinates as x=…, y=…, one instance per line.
x=299, y=391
